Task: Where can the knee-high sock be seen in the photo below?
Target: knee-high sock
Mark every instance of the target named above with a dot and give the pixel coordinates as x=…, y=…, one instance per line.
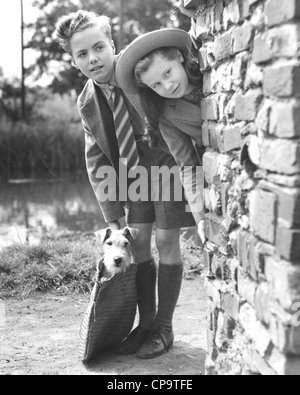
x=146, y=290
x=169, y=287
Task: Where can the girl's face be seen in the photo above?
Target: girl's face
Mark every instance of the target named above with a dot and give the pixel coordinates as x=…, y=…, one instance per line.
x=167, y=78
x=93, y=54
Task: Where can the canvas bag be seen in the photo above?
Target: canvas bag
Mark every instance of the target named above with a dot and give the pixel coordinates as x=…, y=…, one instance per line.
x=110, y=314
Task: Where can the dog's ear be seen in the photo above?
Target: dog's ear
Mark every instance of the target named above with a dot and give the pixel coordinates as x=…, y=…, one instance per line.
x=103, y=235
x=130, y=233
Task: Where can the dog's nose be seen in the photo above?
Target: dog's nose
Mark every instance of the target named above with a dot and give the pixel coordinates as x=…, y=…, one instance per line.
x=118, y=261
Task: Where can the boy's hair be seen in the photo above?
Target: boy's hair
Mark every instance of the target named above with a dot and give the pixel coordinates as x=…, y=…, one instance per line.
x=79, y=21
x=151, y=102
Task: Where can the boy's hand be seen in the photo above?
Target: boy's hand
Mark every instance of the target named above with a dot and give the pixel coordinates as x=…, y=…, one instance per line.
x=114, y=225
x=201, y=231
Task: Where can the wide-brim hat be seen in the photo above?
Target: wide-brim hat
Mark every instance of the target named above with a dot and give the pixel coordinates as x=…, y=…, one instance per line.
x=144, y=45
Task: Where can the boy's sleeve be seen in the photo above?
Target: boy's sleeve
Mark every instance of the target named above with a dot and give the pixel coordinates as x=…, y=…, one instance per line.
x=98, y=164
x=191, y=171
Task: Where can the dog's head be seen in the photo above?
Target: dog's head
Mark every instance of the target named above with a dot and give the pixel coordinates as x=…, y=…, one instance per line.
x=117, y=248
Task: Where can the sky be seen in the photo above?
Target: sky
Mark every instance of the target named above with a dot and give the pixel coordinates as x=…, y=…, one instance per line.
x=10, y=35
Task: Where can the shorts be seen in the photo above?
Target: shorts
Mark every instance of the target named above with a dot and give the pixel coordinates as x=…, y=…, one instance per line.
x=167, y=213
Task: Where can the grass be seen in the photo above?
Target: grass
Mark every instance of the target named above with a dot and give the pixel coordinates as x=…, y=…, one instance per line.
x=65, y=265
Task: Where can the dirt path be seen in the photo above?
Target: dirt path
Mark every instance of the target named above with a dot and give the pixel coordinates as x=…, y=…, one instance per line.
x=40, y=337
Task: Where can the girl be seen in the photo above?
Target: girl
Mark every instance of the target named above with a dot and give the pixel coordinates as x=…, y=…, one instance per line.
x=158, y=66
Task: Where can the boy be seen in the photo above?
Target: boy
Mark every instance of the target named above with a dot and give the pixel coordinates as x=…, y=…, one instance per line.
x=113, y=135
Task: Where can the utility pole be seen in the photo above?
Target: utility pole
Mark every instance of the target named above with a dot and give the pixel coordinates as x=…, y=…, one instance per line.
x=23, y=90
x=121, y=31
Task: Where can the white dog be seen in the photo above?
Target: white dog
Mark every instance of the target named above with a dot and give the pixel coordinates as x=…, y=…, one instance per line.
x=117, y=249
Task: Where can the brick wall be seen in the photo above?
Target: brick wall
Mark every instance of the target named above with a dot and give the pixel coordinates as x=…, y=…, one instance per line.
x=250, y=58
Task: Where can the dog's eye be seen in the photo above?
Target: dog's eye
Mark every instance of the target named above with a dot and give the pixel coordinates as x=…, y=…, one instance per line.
x=109, y=243
x=126, y=244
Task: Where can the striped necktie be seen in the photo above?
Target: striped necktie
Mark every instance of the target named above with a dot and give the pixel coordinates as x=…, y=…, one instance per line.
x=127, y=145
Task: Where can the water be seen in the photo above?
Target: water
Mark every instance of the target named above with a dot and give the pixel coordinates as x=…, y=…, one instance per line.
x=31, y=209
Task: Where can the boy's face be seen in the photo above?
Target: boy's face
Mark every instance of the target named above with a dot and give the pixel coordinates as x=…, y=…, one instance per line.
x=167, y=78
x=93, y=54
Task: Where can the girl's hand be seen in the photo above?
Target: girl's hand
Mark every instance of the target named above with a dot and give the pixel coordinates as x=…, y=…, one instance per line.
x=114, y=225
x=201, y=232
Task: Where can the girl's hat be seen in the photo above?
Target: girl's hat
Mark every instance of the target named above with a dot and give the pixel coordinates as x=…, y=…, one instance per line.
x=141, y=47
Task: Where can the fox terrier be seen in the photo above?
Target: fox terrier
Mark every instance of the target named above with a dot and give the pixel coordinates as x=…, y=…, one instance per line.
x=117, y=249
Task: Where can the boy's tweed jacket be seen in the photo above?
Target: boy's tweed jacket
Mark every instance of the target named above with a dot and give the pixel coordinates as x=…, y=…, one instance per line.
x=101, y=146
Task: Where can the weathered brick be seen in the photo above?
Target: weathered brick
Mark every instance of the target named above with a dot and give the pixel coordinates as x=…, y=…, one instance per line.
x=244, y=9
x=226, y=326
x=213, y=199
x=246, y=287
x=285, y=119
x=211, y=168
x=215, y=231
x=202, y=57
x=263, y=303
x=210, y=135
x=285, y=335
x=255, y=330
x=288, y=243
x=263, y=117
x=203, y=26
x=278, y=11
x=263, y=215
x=225, y=196
x=246, y=107
x=210, y=108
x=282, y=80
x=225, y=167
x=215, y=135
x=284, y=280
x=213, y=293
x=207, y=83
x=243, y=249
x=242, y=37
x=276, y=43
x=284, y=365
x=289, y=205
x=239, y=69
x=280, y=156
x=224, y=77
x=205, y=134
x=231, y=14
x=231, y=139
x=231, y=305
x=257, y=363
x=223, y=46
x=254, y=77
x=219, y=7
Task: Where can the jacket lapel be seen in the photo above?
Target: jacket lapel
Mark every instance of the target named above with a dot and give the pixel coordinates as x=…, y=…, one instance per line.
x=94, y=116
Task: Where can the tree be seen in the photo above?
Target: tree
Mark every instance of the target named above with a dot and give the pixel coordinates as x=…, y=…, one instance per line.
x=140, y=16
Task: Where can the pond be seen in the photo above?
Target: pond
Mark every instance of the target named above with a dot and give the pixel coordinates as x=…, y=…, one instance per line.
x=31, y=208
